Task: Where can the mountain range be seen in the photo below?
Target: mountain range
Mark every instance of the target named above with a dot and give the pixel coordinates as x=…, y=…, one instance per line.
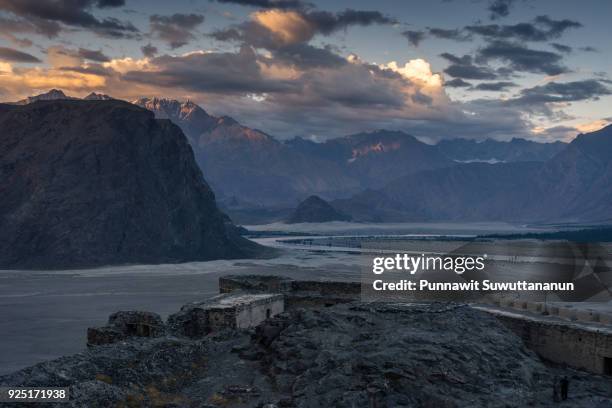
x=389, y=175
x=575, y=185
x=247, y=165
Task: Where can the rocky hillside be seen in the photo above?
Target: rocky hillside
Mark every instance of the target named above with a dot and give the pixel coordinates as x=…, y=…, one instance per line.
x=577, y=183
x=89, y=183
x=189, y=116
x=315, y=209
x=355, y=355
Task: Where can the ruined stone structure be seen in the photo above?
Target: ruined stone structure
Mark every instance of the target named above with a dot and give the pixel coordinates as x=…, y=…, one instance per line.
x=297, y=293
x=583, y=312
x=235, y=311
x=194, y=320
x=248, y=300
x=579, y=345
x=122, y=325
x=586, y=346
x=255, y=283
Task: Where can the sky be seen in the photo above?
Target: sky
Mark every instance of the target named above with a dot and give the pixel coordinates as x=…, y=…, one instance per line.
x=437, y=69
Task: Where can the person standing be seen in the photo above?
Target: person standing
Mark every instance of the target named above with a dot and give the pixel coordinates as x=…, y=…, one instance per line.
x=564, y=387
x=556, y=395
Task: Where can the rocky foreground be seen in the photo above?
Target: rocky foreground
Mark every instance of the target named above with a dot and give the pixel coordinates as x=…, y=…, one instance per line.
x=350, y=355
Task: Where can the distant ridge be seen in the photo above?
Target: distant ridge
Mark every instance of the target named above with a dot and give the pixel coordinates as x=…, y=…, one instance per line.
x=98, y=97
x=57, y=94
x=52, y=95
x=315, y=209
x=463, y=150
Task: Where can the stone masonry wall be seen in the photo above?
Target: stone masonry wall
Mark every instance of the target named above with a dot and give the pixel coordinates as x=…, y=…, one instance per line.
x=565, y=344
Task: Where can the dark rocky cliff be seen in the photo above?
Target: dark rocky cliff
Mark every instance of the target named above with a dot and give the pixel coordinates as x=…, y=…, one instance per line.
x=87, y=183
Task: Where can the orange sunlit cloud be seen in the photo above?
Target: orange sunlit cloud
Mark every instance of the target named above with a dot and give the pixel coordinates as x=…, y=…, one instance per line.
x=591, y=126
x=25, y=80
x=288, y=26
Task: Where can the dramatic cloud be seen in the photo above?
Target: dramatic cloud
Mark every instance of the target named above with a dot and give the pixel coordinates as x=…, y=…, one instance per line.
x=522, y=58
x=288, y=27
x=567, y=133
x=464, y=67
x=305, y=56
x=556, y=27
x=59, y=56
x=283, y=70
x=358, y=96
x=272, y=29
x=353, y=84
x=267, y=93
x=543, y=28
x=286, y=33
x=414, y=37
x=500, y=8
x=593, y=125
x=9, y=27
x=176, y=30
x=98, y=70
x=149, y=50
x=93, y=55
x=457, y=83
x=11, y=55
x=495, y=86
x=328, y=23
x=360, y=90
x=293, y=26
x=268, y=4
x=210, y=72
x=417, y=70
x=18, y=81
x=454, y=34
x=110, y=3
x=554, y=133
x=227, y=34
x=470, y=72
x=47, y=15
x=555, y=92
x=562, y=48
x=354, y=93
